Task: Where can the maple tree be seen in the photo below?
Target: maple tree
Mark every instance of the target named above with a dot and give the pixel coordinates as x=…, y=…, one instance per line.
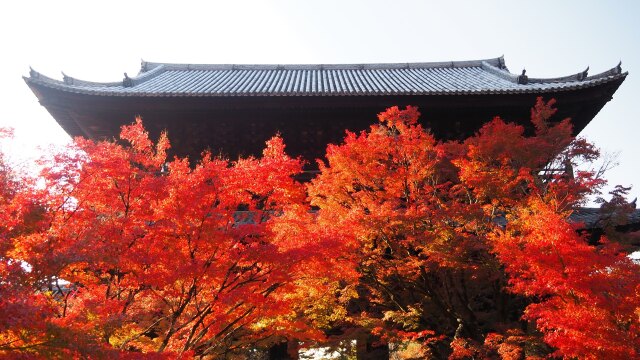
x=466, y=246
x=24, y=312
x=145, y=255
x=462, y=248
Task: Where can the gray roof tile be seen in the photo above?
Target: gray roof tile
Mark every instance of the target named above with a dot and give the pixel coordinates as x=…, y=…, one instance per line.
x=459, y=78
x=593, y=217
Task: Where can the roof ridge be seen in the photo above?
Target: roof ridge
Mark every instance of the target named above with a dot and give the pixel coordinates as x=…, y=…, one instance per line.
x=580, y=76
x=69, y=80
x=147, y=75
x=577, y=77
x=36, y=75
x=501, y=72
x=499, y=61
x=616, y=70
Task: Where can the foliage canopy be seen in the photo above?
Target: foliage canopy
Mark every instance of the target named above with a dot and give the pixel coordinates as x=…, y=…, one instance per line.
x=463, y=248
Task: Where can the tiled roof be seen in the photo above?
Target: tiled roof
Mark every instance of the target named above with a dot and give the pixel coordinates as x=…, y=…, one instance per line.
x=488, y=76
x=592, y=217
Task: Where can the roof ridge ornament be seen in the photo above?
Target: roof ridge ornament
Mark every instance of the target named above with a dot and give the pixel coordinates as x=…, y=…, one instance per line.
x=501, y=64
x=67, y=79
x=32, y=73
x=523, y=79
x=619, y=67
x=127, y=81
x=583, y=75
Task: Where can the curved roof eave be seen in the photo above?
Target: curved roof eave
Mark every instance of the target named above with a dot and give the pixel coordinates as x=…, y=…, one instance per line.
x=517, y=84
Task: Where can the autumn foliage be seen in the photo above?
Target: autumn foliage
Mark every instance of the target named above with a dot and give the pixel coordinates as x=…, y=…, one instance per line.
x=143, y=255
x=463, y=249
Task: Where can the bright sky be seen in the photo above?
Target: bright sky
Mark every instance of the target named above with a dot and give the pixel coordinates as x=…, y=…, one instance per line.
x=99, y=41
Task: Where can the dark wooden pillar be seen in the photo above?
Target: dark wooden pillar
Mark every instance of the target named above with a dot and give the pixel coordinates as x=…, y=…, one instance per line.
x=369, y=347
x=286, y=350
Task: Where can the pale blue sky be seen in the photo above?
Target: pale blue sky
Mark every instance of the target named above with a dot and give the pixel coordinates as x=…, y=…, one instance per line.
x=100, y=40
